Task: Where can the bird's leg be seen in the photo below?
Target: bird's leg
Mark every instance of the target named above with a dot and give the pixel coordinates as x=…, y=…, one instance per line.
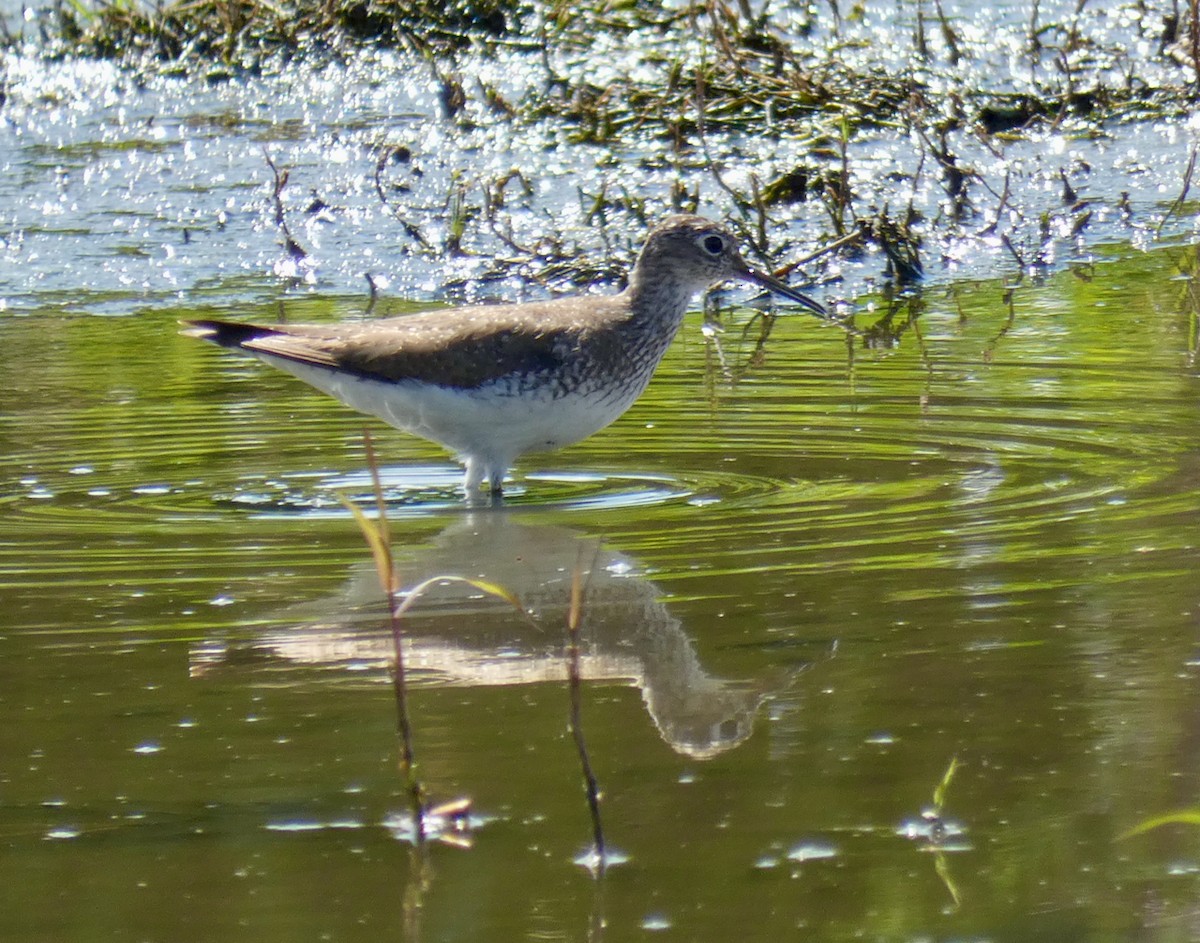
x=496, y=479
x=473, y=477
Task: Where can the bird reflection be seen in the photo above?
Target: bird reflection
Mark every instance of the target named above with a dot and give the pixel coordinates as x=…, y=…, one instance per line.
x=456, y=635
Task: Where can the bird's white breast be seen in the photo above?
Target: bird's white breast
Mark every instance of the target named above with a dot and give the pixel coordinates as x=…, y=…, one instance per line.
x=492, y=422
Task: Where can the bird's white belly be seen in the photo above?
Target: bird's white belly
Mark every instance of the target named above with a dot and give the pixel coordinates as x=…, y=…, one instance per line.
x=490, y=422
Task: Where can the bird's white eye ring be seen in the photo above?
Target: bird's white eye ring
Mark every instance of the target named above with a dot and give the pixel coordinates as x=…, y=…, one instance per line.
x=712, y=244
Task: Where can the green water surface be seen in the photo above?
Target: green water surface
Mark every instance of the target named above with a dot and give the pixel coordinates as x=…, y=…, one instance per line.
x=821, y=570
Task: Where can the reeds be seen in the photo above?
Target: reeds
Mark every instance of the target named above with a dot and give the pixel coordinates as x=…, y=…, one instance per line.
x=377, y=533
x=575, y=722
x=378, y=537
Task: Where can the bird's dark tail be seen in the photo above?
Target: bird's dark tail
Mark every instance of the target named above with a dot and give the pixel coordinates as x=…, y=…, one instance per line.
x=224, y=333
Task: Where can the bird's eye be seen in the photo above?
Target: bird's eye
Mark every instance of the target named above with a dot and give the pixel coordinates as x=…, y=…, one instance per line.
x=713, y=245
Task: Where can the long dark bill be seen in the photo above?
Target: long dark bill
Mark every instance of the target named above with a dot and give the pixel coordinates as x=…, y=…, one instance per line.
x=771, y=283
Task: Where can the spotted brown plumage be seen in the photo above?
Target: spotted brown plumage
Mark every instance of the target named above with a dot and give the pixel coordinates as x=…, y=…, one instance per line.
x=492, y=382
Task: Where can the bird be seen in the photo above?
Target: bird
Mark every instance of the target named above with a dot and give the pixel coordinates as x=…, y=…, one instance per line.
x=493, y=382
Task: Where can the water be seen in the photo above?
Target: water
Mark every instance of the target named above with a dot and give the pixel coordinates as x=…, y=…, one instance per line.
x=129, y=188
x=889, y=634
x=818, y=573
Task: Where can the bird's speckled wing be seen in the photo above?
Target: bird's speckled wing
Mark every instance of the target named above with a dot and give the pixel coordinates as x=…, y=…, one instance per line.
x=460, y=347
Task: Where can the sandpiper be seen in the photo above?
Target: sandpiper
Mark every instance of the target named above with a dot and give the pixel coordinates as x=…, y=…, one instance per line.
x=492, y=382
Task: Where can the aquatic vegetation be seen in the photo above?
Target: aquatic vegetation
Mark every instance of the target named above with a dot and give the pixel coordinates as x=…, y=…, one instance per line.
x=447, y=820
x=913, y=140
x=243, y=31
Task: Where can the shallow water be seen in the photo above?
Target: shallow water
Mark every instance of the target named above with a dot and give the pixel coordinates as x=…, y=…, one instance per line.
x=819, y=572
x=888, y=634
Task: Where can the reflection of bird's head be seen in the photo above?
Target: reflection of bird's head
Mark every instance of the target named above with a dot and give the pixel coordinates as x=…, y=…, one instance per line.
x=709, y=719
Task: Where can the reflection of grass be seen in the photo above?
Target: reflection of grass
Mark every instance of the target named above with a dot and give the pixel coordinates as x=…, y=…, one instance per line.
x=575, y=689
x=378, y=537
x=937, y=832
x=1183, y=817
